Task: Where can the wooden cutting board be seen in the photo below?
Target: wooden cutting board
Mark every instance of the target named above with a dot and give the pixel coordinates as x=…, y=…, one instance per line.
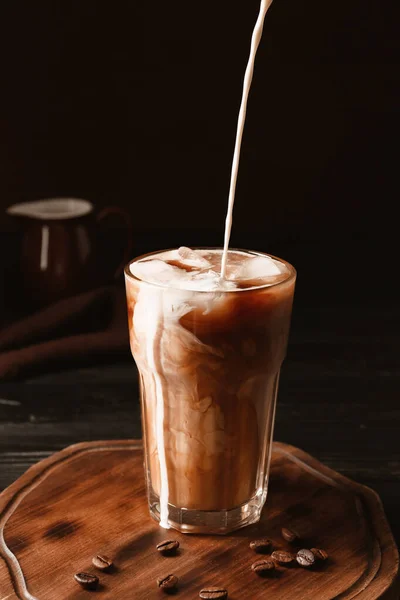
x=90, y=498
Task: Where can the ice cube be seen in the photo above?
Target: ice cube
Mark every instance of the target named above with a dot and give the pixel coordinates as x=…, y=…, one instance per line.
x=205, y=281
x=255, y=267
x=193, y=258
x=157, y=271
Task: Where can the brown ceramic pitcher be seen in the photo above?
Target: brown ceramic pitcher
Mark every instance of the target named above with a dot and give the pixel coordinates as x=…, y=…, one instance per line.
x=59, y=255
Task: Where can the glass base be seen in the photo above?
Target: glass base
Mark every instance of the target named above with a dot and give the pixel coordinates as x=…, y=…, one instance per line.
x=210, y=521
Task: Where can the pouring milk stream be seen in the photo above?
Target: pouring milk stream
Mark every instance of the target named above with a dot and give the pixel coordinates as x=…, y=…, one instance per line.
x=255, y=41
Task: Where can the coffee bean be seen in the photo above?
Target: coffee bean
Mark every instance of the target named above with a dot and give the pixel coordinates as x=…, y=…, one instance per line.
x=289, y=535
x=169, y=582
x=213, y=593
x=305, y=558
x=102, y=562
x=319, y=554
x=261, y=545
x=87, y=581
x=263, y=566
x=168, y=546
x=282, y=557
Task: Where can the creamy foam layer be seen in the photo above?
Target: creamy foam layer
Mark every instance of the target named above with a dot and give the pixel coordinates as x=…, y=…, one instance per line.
x=199, y=270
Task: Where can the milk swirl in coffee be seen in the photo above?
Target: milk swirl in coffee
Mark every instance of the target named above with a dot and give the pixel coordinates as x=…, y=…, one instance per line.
x=209, y=355
x=208, y=331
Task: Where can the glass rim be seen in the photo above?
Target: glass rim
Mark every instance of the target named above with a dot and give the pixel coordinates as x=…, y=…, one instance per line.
x=291, y=276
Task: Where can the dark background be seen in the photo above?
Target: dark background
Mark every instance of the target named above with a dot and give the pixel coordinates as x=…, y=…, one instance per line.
x=135, y=104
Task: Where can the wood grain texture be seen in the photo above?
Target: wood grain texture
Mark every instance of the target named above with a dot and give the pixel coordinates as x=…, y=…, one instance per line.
x=90, y=498
x=340, y=406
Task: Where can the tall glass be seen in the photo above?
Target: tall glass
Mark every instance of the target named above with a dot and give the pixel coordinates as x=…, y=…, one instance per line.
x=209, y=365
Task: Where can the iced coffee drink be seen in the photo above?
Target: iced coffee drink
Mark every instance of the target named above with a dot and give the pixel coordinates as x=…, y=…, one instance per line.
x=208, y=331
x=209, y=352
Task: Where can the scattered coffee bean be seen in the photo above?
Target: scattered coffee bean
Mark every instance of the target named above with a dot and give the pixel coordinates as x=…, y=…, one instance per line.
x=289, y=535
x=169, y=582
x=102, y=562
x=263, y=566
x=87, y=581
x=319, y=554
x=261, y=545
x=168, y=546
x=213, y=593
x=282, y=557
x=305, y=558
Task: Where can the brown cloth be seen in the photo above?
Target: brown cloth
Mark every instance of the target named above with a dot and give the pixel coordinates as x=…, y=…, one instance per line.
x=77, y=331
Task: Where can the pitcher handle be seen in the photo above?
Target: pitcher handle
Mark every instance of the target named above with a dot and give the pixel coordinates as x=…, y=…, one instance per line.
x=124, y=217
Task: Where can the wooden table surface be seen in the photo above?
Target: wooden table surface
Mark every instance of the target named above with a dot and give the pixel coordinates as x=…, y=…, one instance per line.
x=339, y=401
